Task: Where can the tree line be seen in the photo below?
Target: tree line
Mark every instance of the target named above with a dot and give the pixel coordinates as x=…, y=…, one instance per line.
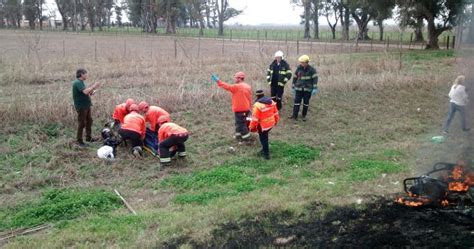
x=437, y=15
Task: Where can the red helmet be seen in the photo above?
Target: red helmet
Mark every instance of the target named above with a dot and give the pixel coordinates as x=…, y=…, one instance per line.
x=133, y=108
x=128, y=103
x=163, y=119
x=143, y=106
x=239, y=75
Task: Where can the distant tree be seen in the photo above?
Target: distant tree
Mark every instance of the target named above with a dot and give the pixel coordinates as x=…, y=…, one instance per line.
x=118, y=15
x=345, y=16
x=90, y=10
x=410, y=17
x=384, y=9
x=66, y=10
x=362, y=11
x=2, y=13
x=224, y=13
x=329, y=9
x=441, y=15
x=30, y=11
x=13, y=13
x=306, y=16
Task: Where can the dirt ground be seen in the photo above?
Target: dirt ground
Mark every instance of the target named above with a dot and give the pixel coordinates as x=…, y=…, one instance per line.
x=381, y=224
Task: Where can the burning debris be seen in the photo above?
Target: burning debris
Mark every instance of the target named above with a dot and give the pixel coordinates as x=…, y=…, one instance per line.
x=447, y=185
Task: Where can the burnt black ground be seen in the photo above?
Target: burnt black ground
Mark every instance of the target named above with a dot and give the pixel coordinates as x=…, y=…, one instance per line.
x=380, y=224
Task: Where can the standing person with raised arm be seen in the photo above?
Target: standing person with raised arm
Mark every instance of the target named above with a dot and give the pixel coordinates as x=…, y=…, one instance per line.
x=241, y=102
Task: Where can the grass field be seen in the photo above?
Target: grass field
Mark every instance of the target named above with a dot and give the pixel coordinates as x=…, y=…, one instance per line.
x=368, y=128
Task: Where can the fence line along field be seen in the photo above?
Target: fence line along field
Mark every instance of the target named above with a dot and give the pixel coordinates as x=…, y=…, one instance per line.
x=363, y=130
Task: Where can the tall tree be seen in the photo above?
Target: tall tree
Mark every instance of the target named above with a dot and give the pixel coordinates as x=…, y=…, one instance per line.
x=440, y=15
x=224, y=13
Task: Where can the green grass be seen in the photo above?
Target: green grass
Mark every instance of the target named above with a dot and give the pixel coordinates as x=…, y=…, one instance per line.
x=57, y=205
x=363, y=170
x=239, y=176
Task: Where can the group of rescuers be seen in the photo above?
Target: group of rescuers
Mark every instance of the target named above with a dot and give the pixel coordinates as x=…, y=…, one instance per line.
x=260, y=116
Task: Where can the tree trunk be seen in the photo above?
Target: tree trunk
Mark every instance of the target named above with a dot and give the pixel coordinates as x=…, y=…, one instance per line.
x=345, y=15
x=40, y=14
x=380, y=24
x=221, y=26
x=333, y=31
x=419, y=30
x=433, y=34
x=307, y=15
x=316, y=19
x=470, y=37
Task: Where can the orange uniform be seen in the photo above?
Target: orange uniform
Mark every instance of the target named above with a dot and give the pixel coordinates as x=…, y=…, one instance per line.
x=152, y=115
x=241, y=95
x=120, y=112
x=168, y=129
x=265, y=114
x=134, y=122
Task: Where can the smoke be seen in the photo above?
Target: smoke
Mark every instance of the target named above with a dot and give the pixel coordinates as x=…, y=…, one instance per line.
x=458, y=144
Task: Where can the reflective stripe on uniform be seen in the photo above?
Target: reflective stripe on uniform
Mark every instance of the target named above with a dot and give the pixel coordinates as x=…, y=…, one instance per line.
x=165, y=159
x=183, y=153
x=246, y=136
x=314, y=76
x=297, y=104
x=305, y=105
x=281, y=84
x=305, y=77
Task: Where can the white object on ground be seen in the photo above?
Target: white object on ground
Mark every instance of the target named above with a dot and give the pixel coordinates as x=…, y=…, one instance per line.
x=105, y=152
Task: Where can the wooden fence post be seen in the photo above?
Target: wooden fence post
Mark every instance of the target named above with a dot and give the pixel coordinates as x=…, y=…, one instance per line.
x=454, y=42
x=175, y=48
x=447, y=43
x=411, y=40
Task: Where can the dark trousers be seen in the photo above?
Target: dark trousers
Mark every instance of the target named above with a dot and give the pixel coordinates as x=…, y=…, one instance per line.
x=171, y=141
x=263, y=136
x=241, y=128
x=301, y=95
x=277, y=94
x=453, y=108
x=133, y=136
x=84, y=120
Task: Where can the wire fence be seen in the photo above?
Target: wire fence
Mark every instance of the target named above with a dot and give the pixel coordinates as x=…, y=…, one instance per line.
x=46, y=46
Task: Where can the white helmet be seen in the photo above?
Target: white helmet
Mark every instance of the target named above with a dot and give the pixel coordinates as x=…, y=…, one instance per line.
x=279, y=53
x=105, y=152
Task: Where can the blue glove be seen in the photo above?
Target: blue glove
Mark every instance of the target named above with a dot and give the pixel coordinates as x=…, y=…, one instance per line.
x=214, y=77
x=315, y=90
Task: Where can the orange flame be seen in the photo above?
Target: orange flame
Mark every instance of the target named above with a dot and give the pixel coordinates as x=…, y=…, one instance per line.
x=444, y=203
x=458, y=187
x=419, y=201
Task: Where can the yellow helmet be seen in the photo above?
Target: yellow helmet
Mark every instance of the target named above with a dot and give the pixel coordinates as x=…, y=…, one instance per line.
x=304, y=58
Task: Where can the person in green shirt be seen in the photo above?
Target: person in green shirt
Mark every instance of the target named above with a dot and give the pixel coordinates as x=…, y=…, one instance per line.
x=82, y=103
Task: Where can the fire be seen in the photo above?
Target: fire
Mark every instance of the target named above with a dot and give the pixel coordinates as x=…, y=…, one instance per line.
x=459, y=184
x=457, y=172
x=444, y=203
x=458, y=187
x=412, y=202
